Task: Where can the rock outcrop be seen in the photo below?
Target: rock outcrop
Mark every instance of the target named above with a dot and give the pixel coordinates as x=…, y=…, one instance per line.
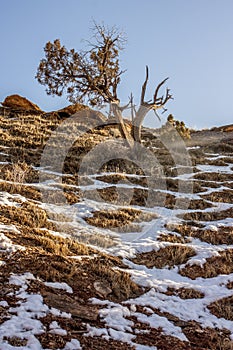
x=228, y=128
x=19, y=102
x=84, y=113
x=71, y=109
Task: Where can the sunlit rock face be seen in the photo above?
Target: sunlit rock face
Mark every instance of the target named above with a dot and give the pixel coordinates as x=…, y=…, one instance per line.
x=19, y=102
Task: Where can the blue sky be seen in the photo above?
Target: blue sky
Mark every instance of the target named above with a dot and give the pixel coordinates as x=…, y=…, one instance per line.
x=190, y=41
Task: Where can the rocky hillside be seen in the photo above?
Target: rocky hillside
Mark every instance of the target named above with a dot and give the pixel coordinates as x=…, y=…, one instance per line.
x=113, y=251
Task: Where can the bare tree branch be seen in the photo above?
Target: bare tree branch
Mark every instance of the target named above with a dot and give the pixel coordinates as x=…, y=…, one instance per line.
x=144, y=86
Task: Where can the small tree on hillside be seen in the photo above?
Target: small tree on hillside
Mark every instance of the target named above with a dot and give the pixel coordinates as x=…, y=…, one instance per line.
x=93, y=76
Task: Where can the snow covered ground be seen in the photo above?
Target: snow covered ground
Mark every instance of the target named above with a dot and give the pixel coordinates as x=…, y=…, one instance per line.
x=161, y=306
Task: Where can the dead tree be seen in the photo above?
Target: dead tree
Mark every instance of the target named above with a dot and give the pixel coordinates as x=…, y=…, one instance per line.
x=93, y=76
x=146, y=106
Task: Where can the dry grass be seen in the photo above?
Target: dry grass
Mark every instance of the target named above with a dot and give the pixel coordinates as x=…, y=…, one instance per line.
x=118, y=218
x=211, y=176
x=71, y=197
x=121, y=284
x=16, y=176
x=173, y=185
x=19, y=173
x=46, y=266
x=213, y=266
x=98, y=240
x=225, y=196
x=222, y=308
x=185, y=293
x=230, y=285
x=131, y=196
x=111, y=195
x=168, y=256
x=199, y=338
x=199, y=204
x=26, y=191
x=208, y=216
x=50, y=257
x=164, y=237
x=121, y=178
x=81, y=276
x=207, y=338
x=26, y=134
x=223, y=235
x=15, y=341
x=27, y=214
x=48, y=242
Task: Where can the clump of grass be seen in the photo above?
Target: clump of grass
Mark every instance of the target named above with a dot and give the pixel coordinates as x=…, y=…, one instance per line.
x=168, y=237
x=48, y=242
x=81, y=276
x=222, y=308
x=225, y=196
x=19, y=172
x=118, y=218
x=211, y=176
x=168, y=256
x=230, y=285
x=27, y=214
x=213, y=266
x=120, y=282
x=207, y=338
x=26, y=191
x=208, y=216
x=99, y=240
x=185, y=293
x=121, y=178
x=223, y=235
x=15, y=341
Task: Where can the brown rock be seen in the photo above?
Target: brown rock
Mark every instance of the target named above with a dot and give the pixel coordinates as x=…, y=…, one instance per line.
x=228, y=128
x=71, y=109
x=19, y=102
x=85, y=114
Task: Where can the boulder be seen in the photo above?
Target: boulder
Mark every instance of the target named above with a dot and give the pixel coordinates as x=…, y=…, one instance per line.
x=86, y=116
x=19, y=102
x=228, y=128
x=71, y=109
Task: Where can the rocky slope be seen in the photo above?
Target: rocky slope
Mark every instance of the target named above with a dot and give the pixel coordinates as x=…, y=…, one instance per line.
x=136, y=255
